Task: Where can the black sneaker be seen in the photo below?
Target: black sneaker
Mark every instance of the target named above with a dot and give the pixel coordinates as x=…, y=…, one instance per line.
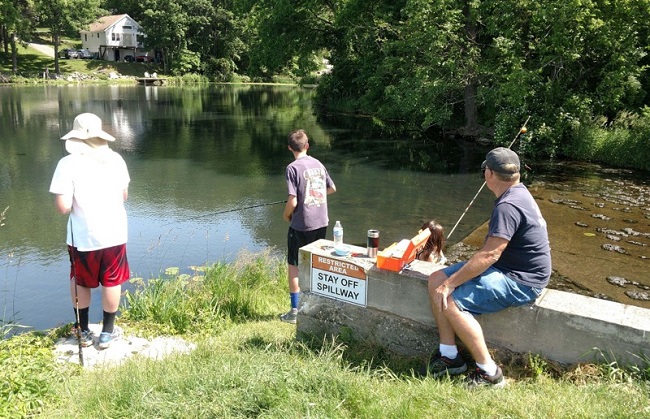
x=479, y=378
x=440, y=366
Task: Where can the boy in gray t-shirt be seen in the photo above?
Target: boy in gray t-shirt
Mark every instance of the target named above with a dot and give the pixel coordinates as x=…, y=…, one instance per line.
x=308, y=185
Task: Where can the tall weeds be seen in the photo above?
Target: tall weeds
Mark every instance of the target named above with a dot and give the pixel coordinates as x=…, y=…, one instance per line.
x=622, y=142
x=247, y=289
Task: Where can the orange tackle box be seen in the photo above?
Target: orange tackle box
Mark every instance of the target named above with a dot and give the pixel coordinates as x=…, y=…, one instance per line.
x=397, y=255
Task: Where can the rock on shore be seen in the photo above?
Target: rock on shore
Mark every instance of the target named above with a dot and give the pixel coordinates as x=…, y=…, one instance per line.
x=66, y=350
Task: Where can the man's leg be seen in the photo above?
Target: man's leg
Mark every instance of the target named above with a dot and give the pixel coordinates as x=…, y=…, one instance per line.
x=446, y=361
x=468, y=330
x=445, y=330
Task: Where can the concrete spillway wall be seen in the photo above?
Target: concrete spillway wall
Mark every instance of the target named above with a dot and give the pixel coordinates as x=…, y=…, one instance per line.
x=392, y=310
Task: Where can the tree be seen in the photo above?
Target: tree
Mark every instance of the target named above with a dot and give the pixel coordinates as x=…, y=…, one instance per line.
x=176, y=27
x=66, y=17
x=289, y=34
x=478, y=68
x=17, y=22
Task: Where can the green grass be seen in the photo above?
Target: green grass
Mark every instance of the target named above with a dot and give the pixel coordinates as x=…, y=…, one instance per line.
x=249, y=364
x=32, y=63
x=258, y=369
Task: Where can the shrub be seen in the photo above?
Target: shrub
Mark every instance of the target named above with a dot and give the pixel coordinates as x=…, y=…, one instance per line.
x=623, y=142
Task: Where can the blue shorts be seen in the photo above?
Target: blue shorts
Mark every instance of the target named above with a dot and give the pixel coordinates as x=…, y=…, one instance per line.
x=492, y=291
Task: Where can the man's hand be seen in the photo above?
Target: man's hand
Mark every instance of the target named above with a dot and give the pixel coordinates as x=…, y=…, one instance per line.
x=440, y=296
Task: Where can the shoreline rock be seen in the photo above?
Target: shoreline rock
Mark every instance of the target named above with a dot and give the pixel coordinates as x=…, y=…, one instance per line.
x=66, y=350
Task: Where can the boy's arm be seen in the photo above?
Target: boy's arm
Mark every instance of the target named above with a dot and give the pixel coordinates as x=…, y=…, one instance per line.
x=292, y=203
x=63, y=203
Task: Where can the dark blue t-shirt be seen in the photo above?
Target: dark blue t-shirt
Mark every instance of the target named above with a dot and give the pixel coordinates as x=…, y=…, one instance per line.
x=516, y=217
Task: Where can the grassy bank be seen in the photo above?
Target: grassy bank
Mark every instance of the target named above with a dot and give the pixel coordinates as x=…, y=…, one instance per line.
x=32, y=64
x=622, y=142
x=249, y=364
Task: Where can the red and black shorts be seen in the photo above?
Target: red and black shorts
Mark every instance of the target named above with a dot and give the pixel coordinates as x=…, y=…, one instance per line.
x=108, y=267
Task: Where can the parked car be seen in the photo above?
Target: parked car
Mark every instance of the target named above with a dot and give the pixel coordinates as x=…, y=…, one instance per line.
x=143, y=59
x=85, y=54
x=68, y=53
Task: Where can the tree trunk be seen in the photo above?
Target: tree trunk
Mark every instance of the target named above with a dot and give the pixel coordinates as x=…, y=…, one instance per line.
x=56, y=42
x=471, y=111
x=5, y=41
x=14, y=55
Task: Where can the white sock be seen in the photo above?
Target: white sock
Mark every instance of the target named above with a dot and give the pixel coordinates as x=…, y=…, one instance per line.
x=490, y=368
x=449, y=351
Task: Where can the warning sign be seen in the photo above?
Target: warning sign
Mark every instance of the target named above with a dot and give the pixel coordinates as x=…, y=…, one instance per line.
x=339, y=280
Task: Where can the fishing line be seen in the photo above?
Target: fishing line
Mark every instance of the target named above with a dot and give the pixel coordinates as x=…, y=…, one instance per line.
x=233, y=210
x=522, y=130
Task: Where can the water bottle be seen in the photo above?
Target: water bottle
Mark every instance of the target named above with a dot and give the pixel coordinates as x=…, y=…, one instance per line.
x=338, y=234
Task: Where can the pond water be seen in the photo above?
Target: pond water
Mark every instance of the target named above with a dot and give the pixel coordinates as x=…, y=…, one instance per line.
x=207, y=168
x=196, y=156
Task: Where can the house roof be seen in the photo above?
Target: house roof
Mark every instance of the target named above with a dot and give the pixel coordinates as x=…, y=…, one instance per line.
x=104, y=22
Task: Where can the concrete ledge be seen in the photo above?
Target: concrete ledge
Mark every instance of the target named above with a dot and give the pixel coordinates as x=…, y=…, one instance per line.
x=559, y=326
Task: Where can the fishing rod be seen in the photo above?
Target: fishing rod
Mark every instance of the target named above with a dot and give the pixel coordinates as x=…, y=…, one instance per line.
x=522, y=130
x=236, y=209
x=76, y=297
x=74, y=273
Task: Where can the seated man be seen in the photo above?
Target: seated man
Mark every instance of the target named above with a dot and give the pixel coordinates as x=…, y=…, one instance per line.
x=511, y=269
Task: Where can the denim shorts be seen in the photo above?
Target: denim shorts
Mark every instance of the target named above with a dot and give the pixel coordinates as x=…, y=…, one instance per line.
x=492, y=291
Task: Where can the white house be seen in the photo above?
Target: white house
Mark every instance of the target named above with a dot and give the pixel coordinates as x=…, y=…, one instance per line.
x=114, y=38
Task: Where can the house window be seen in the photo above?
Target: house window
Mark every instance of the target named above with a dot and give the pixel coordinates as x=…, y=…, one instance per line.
x=86, y=37
x=116, y=36
x=127, y=27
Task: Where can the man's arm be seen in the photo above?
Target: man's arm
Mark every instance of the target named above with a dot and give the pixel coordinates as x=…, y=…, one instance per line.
x=476, y=265
x=331, y=189
x=292, y=203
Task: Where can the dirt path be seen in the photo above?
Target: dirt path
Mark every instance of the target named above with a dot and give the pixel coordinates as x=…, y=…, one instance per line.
x=43, y=49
